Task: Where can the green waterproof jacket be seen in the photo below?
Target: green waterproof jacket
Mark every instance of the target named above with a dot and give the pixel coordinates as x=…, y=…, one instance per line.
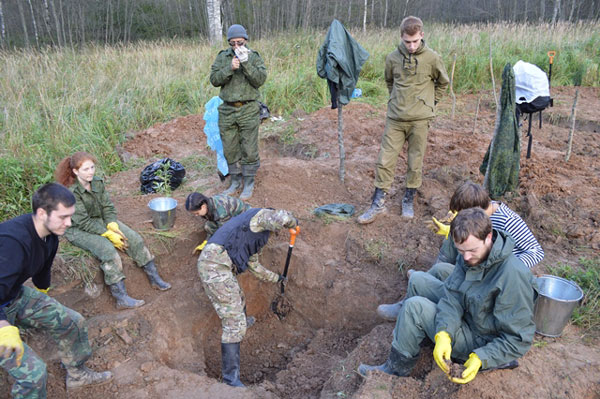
x=93, y=209
x=416, y=82
x=495, y=299
x=221, y=208
x=241, y=84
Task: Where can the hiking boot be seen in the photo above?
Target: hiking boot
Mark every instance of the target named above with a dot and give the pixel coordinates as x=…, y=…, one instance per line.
x=230, y=356
x=377, y=207
x=390, y=312
x=154, y=278
x=82, y=376
x=248, y=188
x=396, y=364
x=124, y=301
x=407, y=203
x=236, y=183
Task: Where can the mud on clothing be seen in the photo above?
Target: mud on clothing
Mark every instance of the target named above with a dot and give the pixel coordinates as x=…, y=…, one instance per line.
x=216, y=270
x=239, y=115
x=221, y=208
x=93, y=211
x=23, y=254
x=415, y=82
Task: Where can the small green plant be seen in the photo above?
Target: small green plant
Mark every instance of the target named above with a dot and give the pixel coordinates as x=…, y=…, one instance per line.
x=587, y=275
x=163, y=175
x=540, y=344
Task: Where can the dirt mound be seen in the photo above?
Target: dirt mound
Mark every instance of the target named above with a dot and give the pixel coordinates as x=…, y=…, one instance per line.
x=340, y=271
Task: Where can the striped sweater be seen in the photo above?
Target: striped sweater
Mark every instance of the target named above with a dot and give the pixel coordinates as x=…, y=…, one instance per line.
x=526, y=247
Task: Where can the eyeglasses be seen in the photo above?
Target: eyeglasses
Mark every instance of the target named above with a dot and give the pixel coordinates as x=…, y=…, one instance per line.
x=237, y=43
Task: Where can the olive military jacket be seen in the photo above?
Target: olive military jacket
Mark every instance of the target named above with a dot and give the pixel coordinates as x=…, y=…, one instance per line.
x=93, y=209
x=241, y=84
x=495, y=299
x=415, y=82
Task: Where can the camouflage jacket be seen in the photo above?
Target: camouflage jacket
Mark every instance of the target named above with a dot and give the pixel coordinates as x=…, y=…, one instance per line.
x=222, y=208
x=241, y=84
x=93, y=209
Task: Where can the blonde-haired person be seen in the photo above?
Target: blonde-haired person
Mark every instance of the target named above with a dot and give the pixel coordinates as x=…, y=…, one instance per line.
x=96, y=229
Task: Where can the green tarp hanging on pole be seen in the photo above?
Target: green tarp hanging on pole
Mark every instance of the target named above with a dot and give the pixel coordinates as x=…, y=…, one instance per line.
x=501, y=162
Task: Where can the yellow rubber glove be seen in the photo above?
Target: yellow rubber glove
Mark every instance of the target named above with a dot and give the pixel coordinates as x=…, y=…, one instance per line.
x=116, y=239
x=442, y=350
x=10, y=341
x=113, y=226
x=43, y=291
x=438, y=227
x=199, y=248
x=449, y=217
x=472, y=367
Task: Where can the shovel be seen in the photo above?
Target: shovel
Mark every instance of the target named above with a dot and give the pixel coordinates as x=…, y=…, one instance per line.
x=280, y=306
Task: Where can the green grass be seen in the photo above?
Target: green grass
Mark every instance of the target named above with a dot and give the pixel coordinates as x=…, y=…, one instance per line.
x=587, y=275
x=57, y=101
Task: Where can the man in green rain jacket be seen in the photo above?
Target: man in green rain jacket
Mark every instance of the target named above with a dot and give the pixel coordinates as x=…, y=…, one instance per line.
x=485, y=317
x=239, y=72
x=416, y=80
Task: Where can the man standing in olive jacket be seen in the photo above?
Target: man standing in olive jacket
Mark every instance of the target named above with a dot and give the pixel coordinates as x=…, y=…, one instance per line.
x=239, y=72
x=485, y=317
x=416, y=80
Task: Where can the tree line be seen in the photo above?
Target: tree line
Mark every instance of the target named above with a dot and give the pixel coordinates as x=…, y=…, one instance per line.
x=41, y=23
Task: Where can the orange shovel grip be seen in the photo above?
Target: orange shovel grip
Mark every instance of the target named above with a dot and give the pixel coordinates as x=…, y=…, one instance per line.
x=551, y=54
x=293, y=234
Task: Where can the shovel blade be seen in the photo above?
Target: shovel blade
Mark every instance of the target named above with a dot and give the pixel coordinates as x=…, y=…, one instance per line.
x=281, y=306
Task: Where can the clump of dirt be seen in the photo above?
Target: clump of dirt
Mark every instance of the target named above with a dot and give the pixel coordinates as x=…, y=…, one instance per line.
x=455, y=370
x=340, y=271
x=281, y=306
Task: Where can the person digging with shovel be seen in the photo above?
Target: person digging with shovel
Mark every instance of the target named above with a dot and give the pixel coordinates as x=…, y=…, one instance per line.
x=232, y=250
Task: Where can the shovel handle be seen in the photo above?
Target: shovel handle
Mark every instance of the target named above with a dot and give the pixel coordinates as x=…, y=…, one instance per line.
x=551, y=55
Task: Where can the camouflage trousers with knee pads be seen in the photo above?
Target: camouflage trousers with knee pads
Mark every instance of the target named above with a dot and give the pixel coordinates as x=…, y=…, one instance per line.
x=68, y=329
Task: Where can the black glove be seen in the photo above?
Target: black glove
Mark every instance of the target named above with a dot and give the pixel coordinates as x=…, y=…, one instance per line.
x=282, y=279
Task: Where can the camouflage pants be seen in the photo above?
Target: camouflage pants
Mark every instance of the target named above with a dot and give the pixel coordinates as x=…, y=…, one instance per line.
x=32, y=309
x=103, y=249
x=222, y=288
x=394, y=136
x=239, y=132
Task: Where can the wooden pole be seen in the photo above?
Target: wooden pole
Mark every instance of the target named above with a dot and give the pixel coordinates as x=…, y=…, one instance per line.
x=477, y=111
x=341, y=139
x=572, y=131
x=451, y=86
x=492, y=73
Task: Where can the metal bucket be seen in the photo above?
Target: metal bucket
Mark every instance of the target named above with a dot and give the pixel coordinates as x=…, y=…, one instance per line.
x=556, y=301
x=163, y=212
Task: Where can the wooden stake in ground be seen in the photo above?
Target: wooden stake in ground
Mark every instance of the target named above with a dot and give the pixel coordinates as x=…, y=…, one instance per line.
x=451, y=88
x=572, y=131
x=492, y=73
x=341, y=140
x=477, y=110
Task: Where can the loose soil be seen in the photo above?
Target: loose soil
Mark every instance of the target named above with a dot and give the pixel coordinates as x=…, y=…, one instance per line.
x=340, y=271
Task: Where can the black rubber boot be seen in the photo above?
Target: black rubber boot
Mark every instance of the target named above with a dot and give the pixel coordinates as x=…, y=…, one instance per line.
x=377, y=207
x=407, y=203
x=230, y=356
x=248, y=188
x=396, y=364
x=154, y=278
x=124, y=301
x=236, y=183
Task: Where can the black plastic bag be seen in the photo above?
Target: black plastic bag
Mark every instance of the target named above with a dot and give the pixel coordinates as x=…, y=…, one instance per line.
x=153, y=175
x=263, y=111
